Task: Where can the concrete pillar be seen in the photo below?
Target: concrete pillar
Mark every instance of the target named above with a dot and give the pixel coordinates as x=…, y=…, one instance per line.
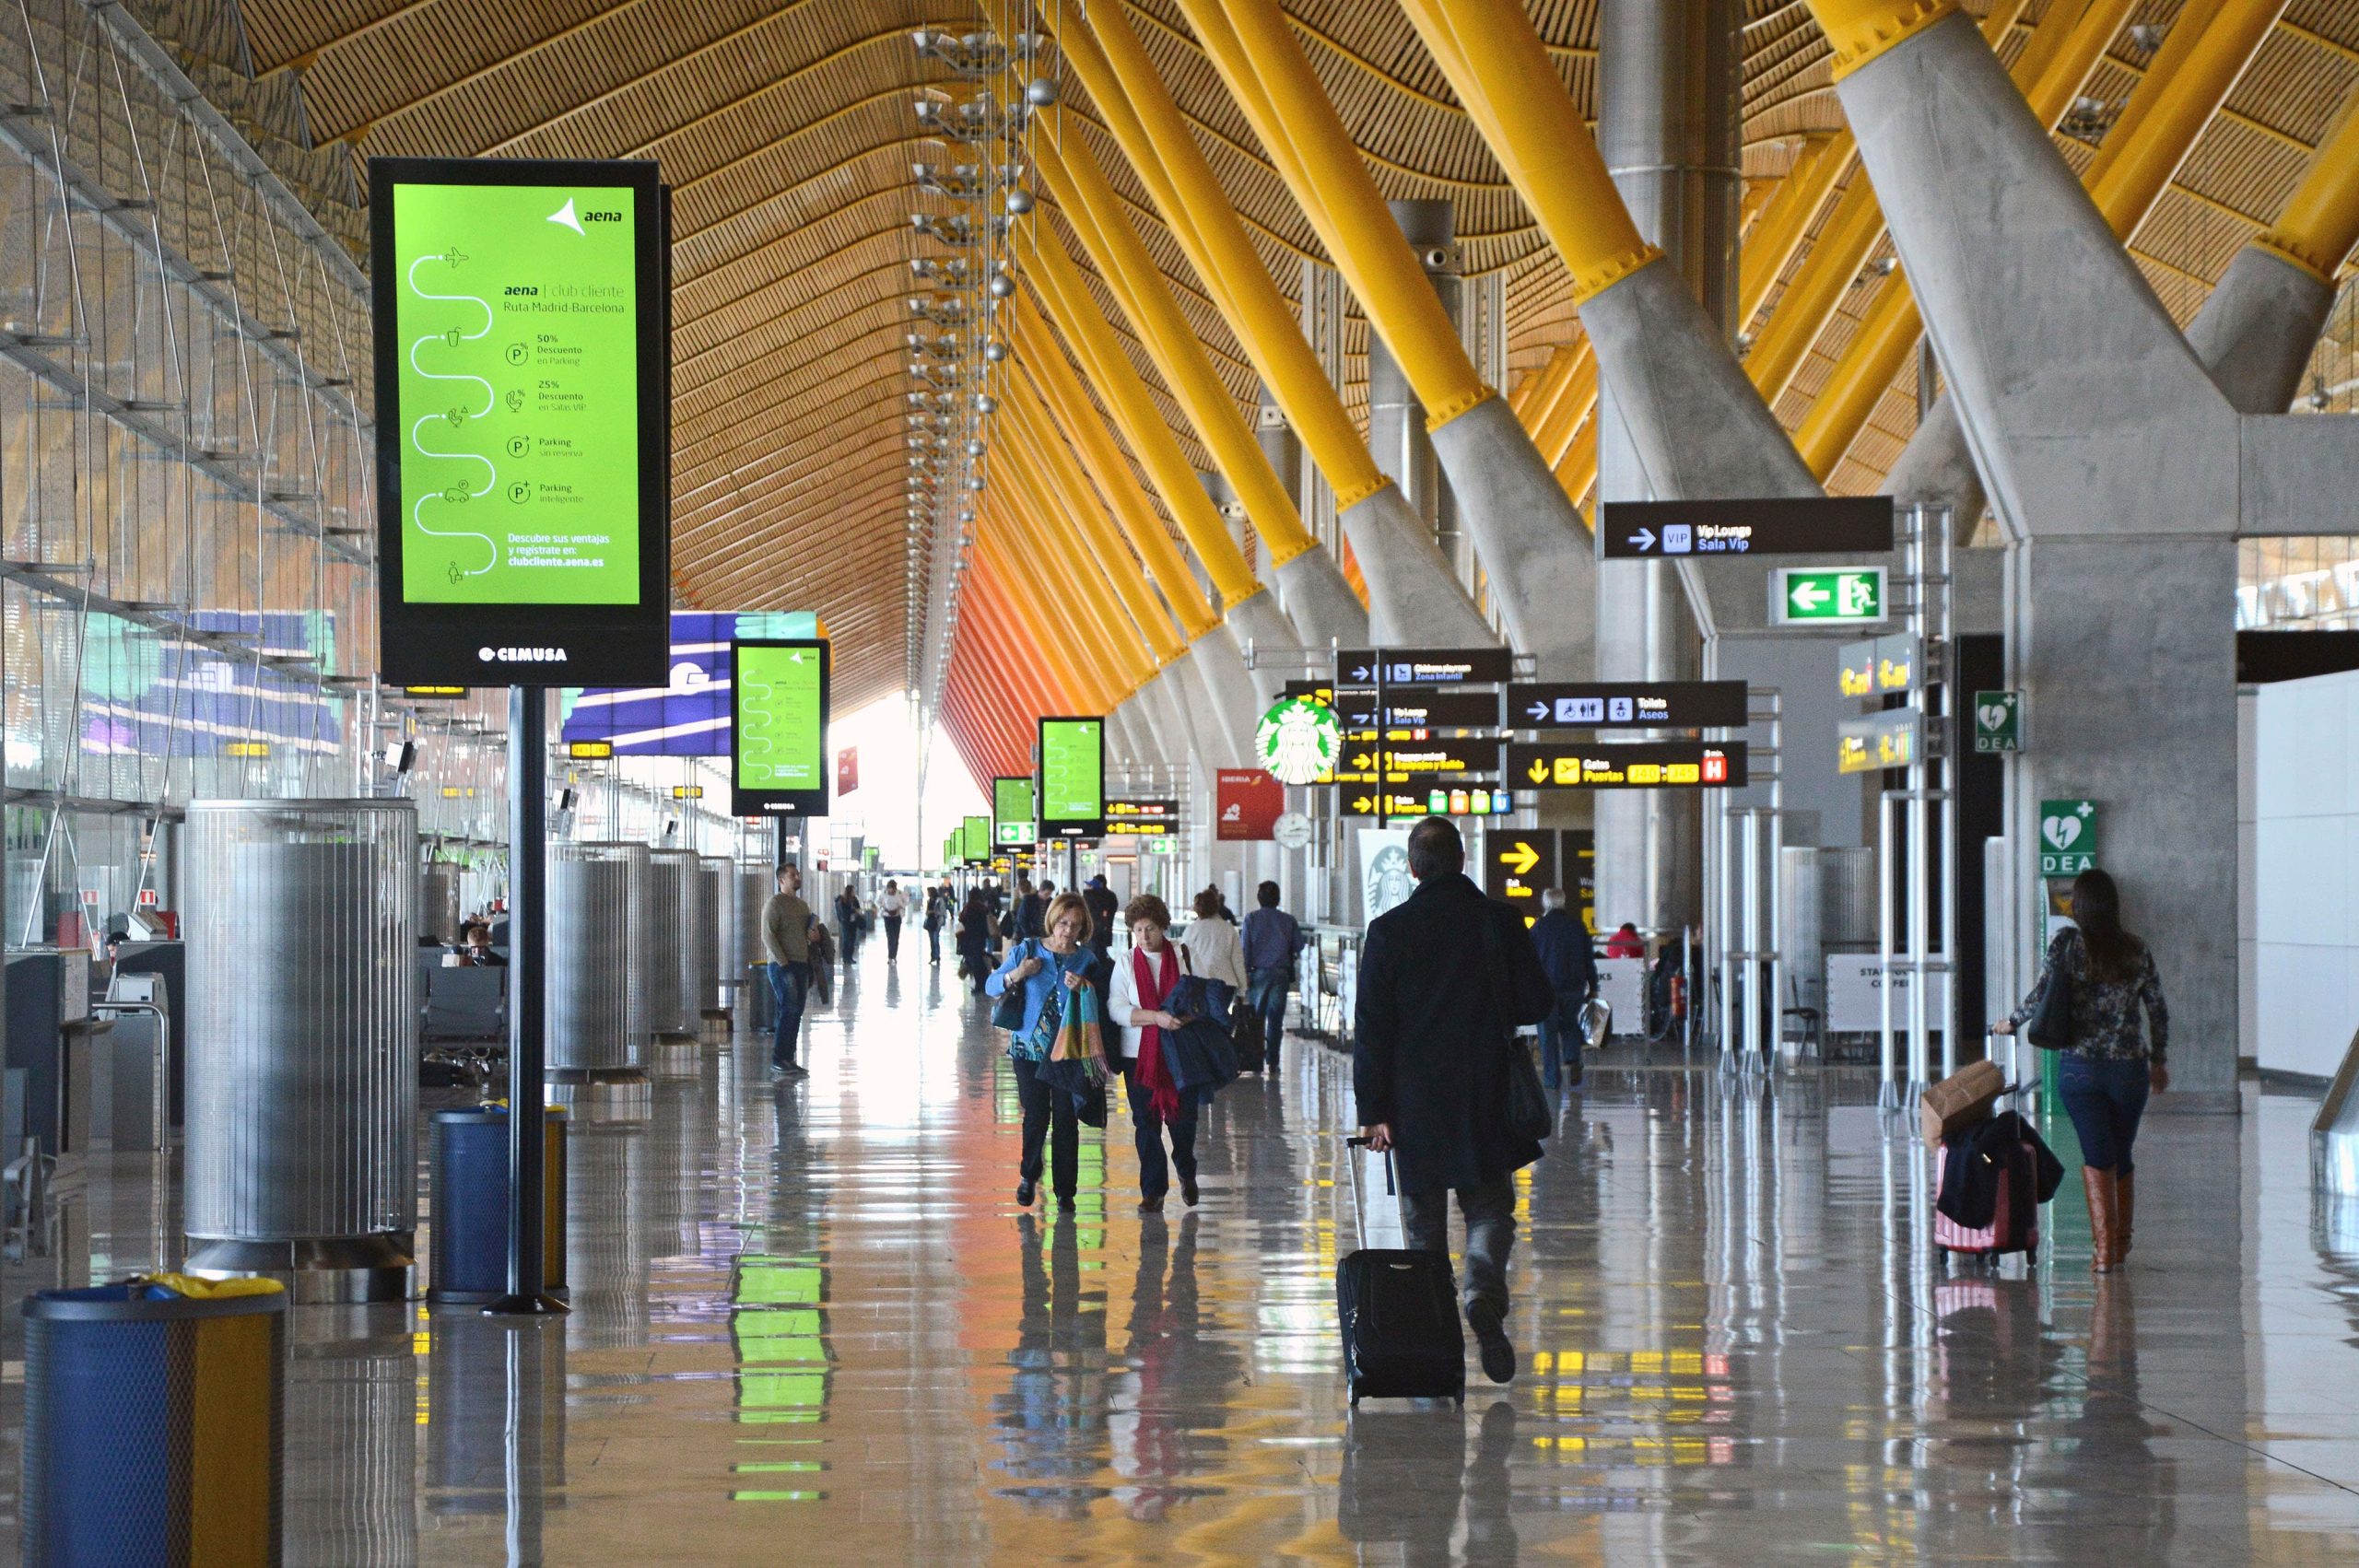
x=1310, y=587
x=1668, y=130
x=1396, y=420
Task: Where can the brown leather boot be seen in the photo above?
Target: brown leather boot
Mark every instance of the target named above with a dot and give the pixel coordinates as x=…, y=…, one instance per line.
x=2124, y=1203
x=2101, y=1186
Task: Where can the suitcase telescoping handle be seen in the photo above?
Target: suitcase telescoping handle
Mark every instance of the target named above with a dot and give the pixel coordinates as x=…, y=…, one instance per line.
x=1359, y=1213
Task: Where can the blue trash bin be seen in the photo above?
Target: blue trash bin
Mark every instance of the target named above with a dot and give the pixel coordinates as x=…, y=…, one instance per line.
x=155, y=1422
x=467, y=1261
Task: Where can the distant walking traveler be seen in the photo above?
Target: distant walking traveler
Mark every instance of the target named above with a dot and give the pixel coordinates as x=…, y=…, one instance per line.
x=1214, y=946
x=1571, y=967
x=892, y=903
x=1044, y=968
x=975, y=939
x=1445, y=978
x=1143, y=978
x=2109, y=1063
x=1272, y=938
x=940, y=906
x=786, y=938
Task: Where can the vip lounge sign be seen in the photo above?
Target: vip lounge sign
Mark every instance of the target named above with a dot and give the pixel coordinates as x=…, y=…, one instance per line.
x=2068, y=838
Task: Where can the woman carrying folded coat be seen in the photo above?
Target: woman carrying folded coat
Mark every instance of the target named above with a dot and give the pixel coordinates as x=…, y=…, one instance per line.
x=1143, y=980
x=2109, y=1063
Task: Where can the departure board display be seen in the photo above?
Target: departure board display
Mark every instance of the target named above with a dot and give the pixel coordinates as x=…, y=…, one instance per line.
x=1073, y=778
x=779, y=694
x=522, y=378
x=1012, y=825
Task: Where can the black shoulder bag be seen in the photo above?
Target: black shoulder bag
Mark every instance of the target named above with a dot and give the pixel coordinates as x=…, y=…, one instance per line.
x=2050, y=1025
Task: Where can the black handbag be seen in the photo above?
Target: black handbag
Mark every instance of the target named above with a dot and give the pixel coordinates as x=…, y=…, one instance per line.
x=1008, y=1013
x=1530, y=1117
x=2050, y=1025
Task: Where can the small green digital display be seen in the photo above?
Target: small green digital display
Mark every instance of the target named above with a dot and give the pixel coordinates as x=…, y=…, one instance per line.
x=1012, y=825
x=1073, y=778
x=975, y=839
x=779, y=695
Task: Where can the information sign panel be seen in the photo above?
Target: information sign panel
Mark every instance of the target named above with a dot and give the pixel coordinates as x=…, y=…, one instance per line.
x=524, y=415
x=1073, y=778
x=1142, y=810
x=2068, y=838
x=1998, y=721
x=1877, y=742
x=1879, y=666
x=1478, y=800
x=1414, y=710
x=778, y=698
x=1519, y=864
x=1815, y=525
x=1627, y=765
x=975, y=839
x=1012, y=825
x=1826, y=596
x=1422, y=666
x=1613, y=704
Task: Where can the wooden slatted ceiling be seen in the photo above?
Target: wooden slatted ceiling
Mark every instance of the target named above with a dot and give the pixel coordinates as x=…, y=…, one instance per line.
x=786, y=127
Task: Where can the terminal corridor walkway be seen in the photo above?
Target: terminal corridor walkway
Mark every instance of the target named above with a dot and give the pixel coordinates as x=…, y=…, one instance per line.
x=810, y=1325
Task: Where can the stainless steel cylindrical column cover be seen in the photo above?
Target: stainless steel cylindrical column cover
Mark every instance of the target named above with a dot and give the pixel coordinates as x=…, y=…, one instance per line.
x=438, y=906
x=660, y=957
x=590, y=977
x=302, y=1014
x=750, y=887
x=700, y=950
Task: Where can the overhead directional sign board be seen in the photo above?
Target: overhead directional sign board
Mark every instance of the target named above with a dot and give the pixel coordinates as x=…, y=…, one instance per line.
x=1367, y=801
x=1073, y=778
x=1627, y=765
x=1878, y=741
x=1607, y=705
x=1819, y=525
x=1829, y=596
x=1142, y=819
x=522, y=421
x=779, y=729
x=1413, y=709
x=1422, y=666
x=1880, y=666
x=1012, y=825
x=1519, y=865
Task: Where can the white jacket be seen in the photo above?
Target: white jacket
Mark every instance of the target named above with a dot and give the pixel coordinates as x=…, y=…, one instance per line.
x=1123, y=997
x=1217, y=951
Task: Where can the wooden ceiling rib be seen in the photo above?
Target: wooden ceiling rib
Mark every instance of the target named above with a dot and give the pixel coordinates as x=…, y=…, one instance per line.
x=786, y=130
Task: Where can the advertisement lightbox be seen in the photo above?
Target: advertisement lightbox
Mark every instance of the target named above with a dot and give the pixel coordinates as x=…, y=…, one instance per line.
x=1073, y=778
x=1012, y=825
x=778, y=698
x=975, y=839
x=521, y=310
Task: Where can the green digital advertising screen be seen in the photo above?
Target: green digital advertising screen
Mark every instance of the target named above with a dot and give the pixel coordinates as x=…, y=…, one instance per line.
x=523, y=398
x=975, y=839
x=1012, y=825
x=1073, y=778
x=778, y=705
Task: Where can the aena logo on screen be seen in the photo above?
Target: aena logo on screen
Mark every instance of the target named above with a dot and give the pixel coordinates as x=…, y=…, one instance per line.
x=521, y=655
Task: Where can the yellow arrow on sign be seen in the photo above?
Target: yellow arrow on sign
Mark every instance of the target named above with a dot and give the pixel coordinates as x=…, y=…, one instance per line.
x=1540, y=773
x=1521, y=859
x=1363, y=805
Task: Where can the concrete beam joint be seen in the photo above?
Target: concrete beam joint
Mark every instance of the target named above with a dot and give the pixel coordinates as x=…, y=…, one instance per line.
x=1858, y=30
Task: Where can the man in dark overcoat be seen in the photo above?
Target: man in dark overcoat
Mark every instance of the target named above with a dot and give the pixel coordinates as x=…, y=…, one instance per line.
x=1445, y=978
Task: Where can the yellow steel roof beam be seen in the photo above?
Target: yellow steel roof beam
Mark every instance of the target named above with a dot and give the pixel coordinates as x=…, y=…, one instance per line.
x=2320, y=223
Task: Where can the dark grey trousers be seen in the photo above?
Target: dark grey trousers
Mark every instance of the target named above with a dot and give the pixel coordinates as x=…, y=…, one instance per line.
x=1490, y=1234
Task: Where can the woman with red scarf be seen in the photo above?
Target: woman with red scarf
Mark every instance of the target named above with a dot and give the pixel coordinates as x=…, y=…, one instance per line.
x=1143, y=978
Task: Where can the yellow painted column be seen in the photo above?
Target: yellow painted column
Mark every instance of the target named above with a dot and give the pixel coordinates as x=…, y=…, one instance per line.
x=1147, y=122
x=1786, y=224
x=1061, y=389
x=1255, y=54
x=1127, y=398
x=1070, y=588
x=1042, y=454
x=1073, y=175
x=2320, y=223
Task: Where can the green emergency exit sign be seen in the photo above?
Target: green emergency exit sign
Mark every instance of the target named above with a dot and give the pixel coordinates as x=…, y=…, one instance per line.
x=1826, y=596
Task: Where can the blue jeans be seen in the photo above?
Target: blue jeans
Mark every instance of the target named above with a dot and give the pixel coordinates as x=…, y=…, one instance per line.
x=1268, y=993
x=788, y=984
x=2105, y=1097
x=1560, y=1043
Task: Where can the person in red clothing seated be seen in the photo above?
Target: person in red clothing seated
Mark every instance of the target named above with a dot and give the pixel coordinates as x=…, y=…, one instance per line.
x=1626, y=942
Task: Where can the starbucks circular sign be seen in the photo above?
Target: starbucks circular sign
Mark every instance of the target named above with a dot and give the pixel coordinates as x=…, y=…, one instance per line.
x=1298, y=741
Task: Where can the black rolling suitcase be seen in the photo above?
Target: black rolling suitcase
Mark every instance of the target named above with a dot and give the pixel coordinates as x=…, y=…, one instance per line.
x=1399, y=1310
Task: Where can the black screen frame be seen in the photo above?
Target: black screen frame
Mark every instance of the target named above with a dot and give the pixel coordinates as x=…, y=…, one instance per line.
x=745, y=802
x=1064, y=829
x=603, y=645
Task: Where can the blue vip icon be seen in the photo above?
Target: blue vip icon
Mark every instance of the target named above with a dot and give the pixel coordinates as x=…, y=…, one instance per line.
x=1580, y=710
x=1621, y=709
x=1678, y=539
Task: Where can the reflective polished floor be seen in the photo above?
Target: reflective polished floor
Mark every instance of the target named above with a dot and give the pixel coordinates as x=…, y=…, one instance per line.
x=810, y=1325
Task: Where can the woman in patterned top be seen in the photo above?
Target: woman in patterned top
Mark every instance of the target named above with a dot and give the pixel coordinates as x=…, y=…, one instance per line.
x=2110, y=1064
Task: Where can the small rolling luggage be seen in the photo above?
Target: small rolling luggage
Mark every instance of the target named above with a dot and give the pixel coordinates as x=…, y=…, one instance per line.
x=2014, y=1223
x=1399, y=1309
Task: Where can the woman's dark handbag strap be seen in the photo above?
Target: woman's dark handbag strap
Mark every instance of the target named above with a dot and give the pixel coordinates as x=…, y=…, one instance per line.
x=2050, y=1025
